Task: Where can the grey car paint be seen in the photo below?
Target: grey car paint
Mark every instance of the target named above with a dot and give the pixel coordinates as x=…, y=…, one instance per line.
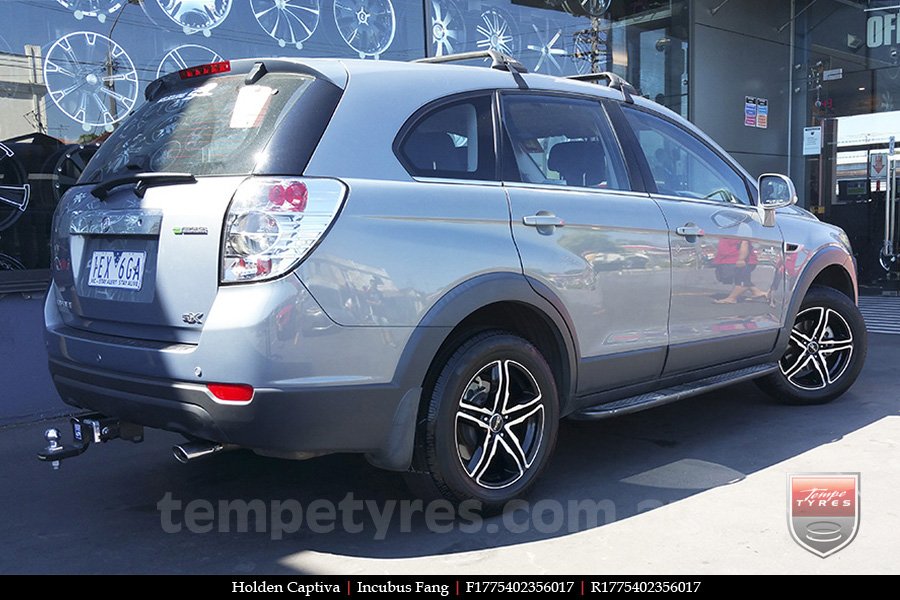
x=694, y=316
x=181, y=271
x=400, y=250
x=368, y=270
x=257, y=334
x=612, y=273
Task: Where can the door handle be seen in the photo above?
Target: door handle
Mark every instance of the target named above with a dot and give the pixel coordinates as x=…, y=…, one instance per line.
x=689, y=230
x=543, y=220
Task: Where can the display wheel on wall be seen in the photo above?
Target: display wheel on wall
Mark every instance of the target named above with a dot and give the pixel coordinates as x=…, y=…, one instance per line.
x=367, y=26
x=581, y=46
x=187, y=55
x=8, y=263
x=495, y=32
x=66, y=165
x=196, y=16
x=591, y=8
x=448, y=32
x=91, y=79
x=289, y=22
x=893, y=71
x=100, y=9
x=14, y=188
x=549, y=49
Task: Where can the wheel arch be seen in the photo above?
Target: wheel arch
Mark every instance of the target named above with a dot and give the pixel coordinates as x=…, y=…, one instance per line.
x=829, y=267
x=506, y=301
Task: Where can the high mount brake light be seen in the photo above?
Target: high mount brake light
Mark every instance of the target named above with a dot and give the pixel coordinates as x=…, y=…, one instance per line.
x=204, y=70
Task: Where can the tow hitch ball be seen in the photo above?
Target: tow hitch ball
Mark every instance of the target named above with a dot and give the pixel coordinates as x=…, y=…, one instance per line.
x=86, y=429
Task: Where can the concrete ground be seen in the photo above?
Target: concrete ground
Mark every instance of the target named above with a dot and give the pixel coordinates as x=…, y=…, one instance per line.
x=694, y=487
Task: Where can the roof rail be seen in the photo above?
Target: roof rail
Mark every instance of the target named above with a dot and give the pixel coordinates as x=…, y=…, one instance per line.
x=613, y=82
x=500, y=61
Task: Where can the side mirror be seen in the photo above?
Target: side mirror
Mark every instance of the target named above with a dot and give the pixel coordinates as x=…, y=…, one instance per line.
x=775, y=191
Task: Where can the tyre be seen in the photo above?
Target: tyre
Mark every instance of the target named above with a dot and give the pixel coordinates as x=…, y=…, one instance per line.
x=826, y=351
x=491, y=424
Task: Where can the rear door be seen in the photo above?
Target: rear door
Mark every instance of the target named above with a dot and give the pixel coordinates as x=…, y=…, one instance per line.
x=726, y=303
x=143, y=260
x=584, y=234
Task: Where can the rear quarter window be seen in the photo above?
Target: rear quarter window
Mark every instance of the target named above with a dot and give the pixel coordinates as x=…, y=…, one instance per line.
x=218, y=126
x=453, y=141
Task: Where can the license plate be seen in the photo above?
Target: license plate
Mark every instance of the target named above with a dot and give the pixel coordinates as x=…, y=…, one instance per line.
x=117, y=270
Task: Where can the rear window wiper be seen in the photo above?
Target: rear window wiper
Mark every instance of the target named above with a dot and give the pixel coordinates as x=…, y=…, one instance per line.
x=142, y=181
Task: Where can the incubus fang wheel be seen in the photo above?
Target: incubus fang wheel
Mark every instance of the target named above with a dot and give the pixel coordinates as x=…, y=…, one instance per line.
x=499, y=424
x=825, y=353
x=492, y=417
x=820, y=350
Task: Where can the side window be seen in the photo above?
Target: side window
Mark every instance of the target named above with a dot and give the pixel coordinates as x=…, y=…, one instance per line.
x=683, y=165
x=454, y=141
x=562, y=141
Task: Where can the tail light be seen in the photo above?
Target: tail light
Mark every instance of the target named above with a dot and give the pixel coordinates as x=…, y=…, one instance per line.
x=273, y=223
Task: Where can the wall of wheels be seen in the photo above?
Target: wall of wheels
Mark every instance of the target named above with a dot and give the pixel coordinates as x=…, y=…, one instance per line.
x=71, y=71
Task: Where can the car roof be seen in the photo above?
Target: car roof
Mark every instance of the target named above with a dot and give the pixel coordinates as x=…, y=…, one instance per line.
x=426, y=77
x=420, y=83
x=340, y=71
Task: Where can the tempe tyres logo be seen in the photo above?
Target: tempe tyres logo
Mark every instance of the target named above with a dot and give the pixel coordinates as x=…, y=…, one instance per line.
x=823, y=510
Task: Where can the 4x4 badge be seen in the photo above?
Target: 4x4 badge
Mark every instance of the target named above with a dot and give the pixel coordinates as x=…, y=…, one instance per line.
x=192, y=318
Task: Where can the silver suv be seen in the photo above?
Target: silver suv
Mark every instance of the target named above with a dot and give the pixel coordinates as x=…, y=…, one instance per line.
x=429, y=264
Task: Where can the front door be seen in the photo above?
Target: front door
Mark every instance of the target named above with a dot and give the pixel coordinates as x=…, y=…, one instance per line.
x=726, y=301
x=581, y=232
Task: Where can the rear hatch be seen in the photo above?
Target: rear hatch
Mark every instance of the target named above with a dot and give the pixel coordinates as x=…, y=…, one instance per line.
x=138, y=243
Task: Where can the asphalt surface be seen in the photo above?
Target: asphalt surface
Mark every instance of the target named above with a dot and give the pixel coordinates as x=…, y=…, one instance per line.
x=694, y=487
x=27, y=393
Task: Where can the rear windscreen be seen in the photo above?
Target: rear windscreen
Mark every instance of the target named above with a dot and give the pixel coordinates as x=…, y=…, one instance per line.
x=218, y=126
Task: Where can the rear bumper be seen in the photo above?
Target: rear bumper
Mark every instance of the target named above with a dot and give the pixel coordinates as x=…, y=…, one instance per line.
x=355, y=418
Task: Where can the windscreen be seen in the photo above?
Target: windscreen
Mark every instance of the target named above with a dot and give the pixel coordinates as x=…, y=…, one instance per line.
x=218, y=126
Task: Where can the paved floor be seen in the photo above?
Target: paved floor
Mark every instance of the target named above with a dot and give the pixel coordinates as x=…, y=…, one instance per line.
x=694, y=487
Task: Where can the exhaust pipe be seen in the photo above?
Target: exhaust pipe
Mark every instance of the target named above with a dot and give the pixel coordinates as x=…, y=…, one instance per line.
x=189, y=451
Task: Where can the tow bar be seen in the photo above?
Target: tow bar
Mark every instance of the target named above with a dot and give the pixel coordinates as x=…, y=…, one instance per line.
x=94, y=428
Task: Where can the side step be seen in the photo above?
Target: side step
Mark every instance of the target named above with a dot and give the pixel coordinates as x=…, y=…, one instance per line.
x=672, y=394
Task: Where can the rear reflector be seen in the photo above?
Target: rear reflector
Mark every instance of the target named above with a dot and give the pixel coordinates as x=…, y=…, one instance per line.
x=231, y=392
x=204, y=70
